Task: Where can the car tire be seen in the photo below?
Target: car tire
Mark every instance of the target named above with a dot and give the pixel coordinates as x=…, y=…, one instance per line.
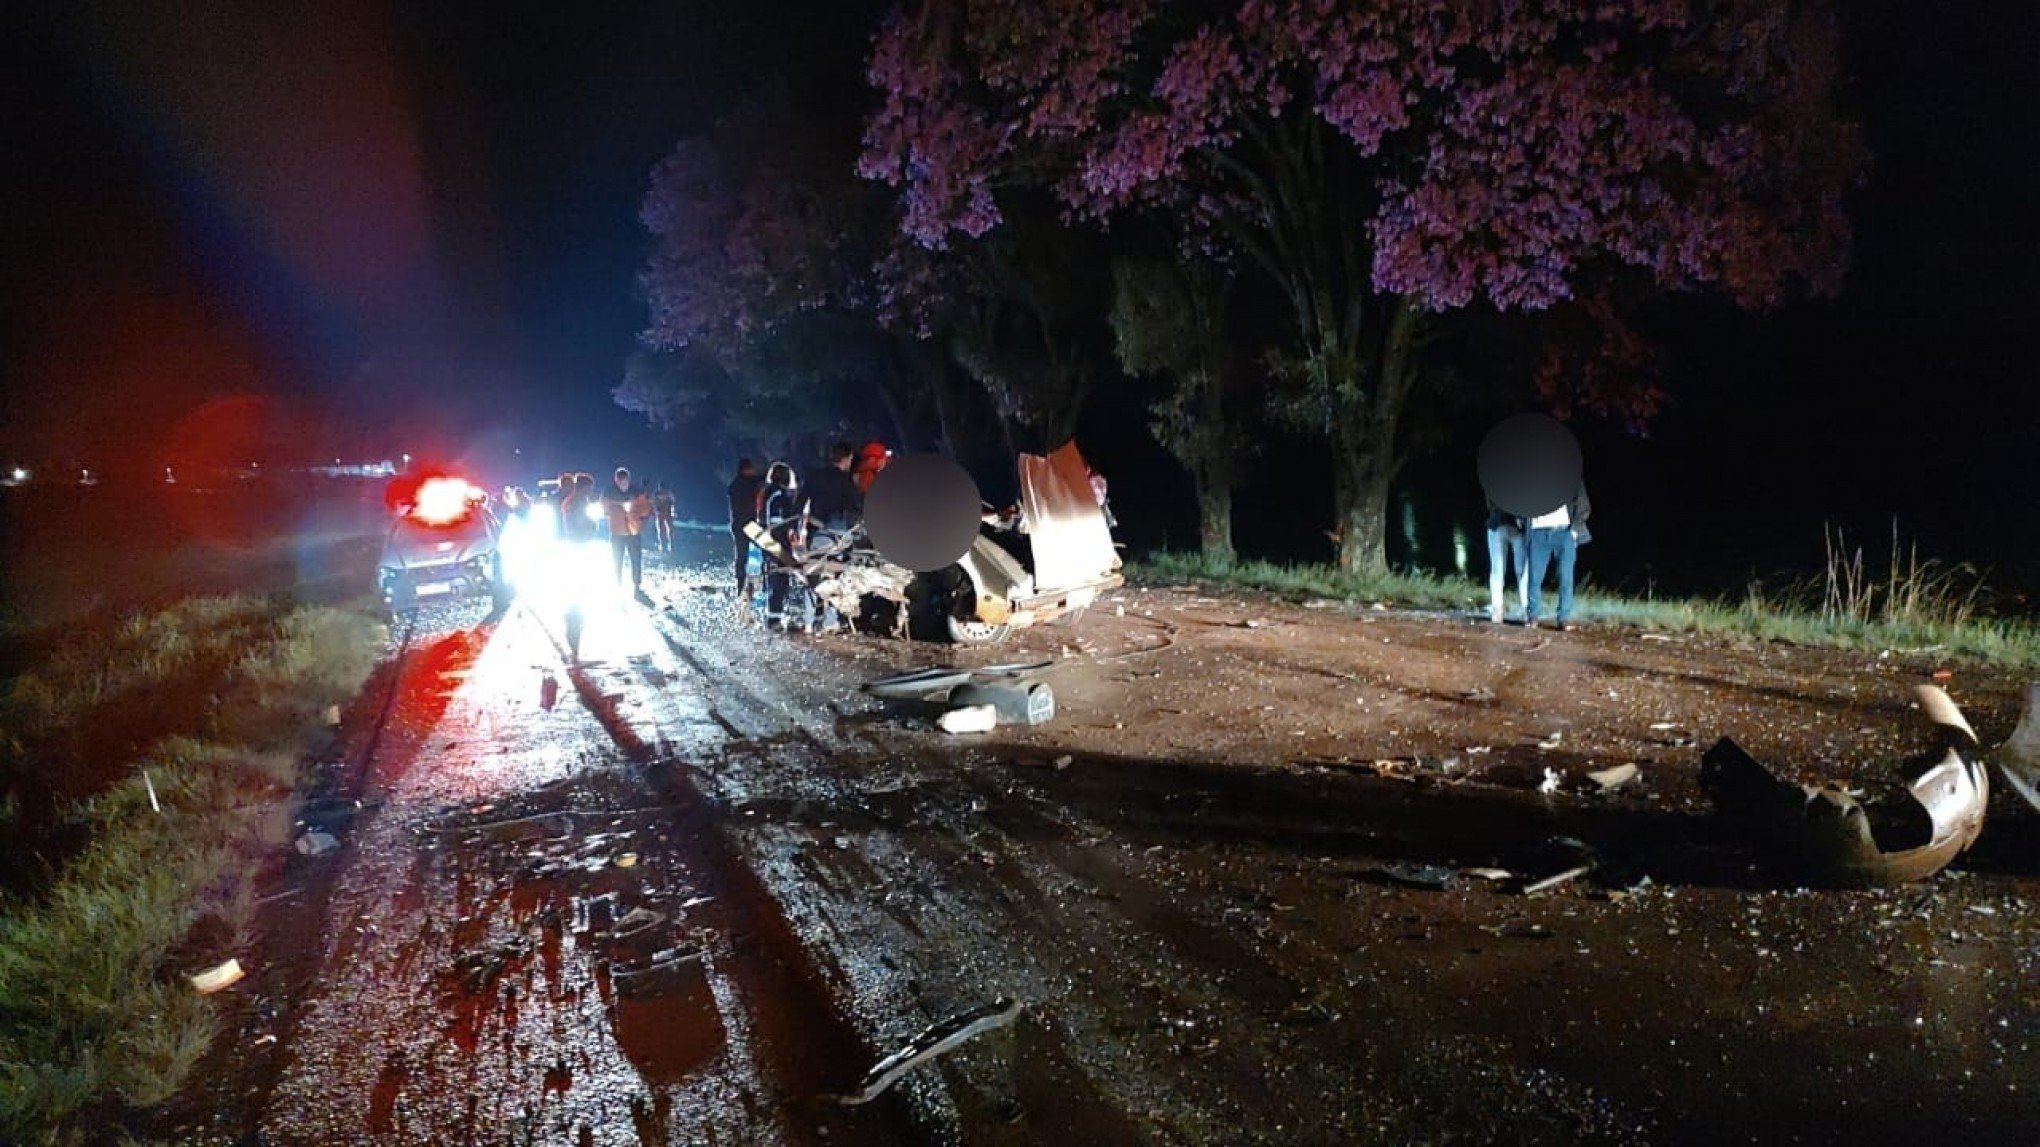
x=970, y=631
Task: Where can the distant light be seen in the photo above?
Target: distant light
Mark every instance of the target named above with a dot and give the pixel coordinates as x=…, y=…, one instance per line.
x=594, y=511
x=20, y=475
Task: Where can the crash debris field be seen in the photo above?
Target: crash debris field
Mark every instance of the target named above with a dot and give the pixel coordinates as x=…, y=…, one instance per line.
x=1273, y=872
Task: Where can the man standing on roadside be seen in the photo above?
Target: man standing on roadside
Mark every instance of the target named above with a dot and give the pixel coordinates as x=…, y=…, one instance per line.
x=833, y=501
x=627, y=508
x=662, y=516
x=1507, y=551
x=746, y=497
x=1558, y=533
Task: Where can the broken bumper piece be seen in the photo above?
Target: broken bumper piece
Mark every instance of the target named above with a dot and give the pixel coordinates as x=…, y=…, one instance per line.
x=1827, y=836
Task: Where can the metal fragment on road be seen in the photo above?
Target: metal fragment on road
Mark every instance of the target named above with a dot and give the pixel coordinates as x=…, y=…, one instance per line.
x=930, y=1043
x=1557, y=879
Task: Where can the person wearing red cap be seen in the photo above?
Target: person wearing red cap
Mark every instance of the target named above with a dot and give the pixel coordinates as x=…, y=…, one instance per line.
x=870, y=460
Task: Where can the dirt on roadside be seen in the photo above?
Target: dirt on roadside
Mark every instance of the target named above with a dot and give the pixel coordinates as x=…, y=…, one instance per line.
x=1261, y=880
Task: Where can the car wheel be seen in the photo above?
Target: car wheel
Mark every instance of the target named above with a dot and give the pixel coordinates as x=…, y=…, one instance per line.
x=970, y=631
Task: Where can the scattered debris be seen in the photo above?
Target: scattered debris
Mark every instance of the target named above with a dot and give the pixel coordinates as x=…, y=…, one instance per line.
x=218, y=977
x=937, y=1039
x=1064, y=762
x=548, y=692
x=1416, y=875
x=1615, y=777
x=151, y=785
x=627, y=860
x=1553, y=740
x=969, y=719
x=917, y=684
x=635, y=978
x=1018, y=704
x=1829, y=835
x=317, y=843
x=332, y=716
x=635, y=922
x=1520, y=929
x=1557, y=879
x=1656, y=637
x=1552, y=779
x=2018, y=759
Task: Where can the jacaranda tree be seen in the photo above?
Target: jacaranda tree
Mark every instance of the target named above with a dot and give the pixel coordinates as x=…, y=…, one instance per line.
x=1384, y=161
x=763, y=244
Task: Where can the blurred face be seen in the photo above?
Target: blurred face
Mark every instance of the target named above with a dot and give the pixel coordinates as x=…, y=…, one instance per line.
x=623, y=479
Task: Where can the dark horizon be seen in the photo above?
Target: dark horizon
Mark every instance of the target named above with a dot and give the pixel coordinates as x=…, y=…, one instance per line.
x=478, y=294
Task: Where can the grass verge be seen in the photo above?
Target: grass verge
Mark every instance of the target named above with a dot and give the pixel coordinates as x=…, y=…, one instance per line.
x=1916, y=607
x=150, y=875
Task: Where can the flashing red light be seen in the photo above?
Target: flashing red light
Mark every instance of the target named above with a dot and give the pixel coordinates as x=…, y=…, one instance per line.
x=442, y=501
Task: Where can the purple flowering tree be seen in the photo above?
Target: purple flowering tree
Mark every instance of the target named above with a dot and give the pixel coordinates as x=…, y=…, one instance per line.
x=762, y=246
x=1382, y=162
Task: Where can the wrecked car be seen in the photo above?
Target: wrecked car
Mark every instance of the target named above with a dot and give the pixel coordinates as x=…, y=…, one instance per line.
x=1829, y=836
x=1049, y=561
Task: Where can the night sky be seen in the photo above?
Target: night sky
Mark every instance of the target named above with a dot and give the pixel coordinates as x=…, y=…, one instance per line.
x=415, y=228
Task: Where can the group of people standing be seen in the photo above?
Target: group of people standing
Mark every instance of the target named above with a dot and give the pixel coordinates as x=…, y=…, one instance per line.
x=791, y=514
x=1529, y=546
x=625, y=507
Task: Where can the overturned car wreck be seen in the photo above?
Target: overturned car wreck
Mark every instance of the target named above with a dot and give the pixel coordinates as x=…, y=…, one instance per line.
x=1825, y=835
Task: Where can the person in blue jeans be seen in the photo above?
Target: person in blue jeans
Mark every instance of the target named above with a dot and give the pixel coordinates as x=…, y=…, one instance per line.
x=1507, y=551
x=1558, y=534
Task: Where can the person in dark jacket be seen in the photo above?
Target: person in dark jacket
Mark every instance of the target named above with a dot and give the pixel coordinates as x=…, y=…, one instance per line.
x=662, y=517
x=834, y=502
x=1558, y=534
x=747, y=498
x=785, y=518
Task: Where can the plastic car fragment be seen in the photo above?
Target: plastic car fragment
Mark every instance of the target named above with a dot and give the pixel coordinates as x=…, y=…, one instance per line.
x=2019, y=758
x=1828, y=836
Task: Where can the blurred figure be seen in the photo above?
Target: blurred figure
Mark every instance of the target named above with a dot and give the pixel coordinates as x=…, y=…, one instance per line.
x=1507, y=548
x=785, y=518
x=627, y=508
x=662, y=517
x=1098, y=491
x=573, y=507
x=747, y=503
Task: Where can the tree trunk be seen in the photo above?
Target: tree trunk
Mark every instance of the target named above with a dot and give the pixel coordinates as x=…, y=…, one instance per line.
x=1367, y=442
x=1214, y=520
x=1360, y=490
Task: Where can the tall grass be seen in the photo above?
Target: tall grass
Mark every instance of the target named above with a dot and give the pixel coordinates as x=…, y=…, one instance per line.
x=1912, y=604
x=95, y=1012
